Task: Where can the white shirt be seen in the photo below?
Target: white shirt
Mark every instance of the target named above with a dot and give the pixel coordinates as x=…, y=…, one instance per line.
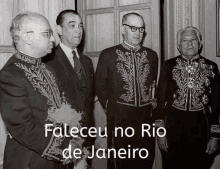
x=68, y=52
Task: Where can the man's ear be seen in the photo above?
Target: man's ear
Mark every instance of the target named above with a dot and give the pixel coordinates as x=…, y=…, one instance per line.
x=178, y=48
x=200, y=45
x=122, y=29
x=26, y=39
x=59, y=30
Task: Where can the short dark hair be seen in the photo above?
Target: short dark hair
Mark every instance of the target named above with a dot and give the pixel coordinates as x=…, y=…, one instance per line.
x=59, y=19
x=125, y=17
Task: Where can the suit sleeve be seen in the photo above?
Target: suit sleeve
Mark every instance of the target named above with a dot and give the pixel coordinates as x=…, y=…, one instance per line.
x=161, y=96
x=101, y=79
x=155, y=64
x=215, y=104
x=22, y=124
x=92, y=73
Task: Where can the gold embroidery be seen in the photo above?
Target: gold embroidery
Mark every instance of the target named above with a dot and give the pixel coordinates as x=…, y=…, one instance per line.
x=40, y=78
x=44, y=81
x=192, y=80
x=126, y=69
x=25, y=58
x=143, y=70
x=130, y=66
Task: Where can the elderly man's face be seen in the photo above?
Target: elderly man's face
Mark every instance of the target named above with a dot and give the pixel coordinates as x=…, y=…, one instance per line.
x=41, y=37
x=133, y=38
x=71, y=30
x=189, y=43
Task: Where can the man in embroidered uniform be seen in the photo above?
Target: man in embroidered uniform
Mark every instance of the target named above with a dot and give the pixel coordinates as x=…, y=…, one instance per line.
x=125, y=83
x=188, y=99
x=28, y=90
x=74, y=70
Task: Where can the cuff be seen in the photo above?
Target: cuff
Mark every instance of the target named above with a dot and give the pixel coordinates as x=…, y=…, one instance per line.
x=159, y=123
x=215, y=131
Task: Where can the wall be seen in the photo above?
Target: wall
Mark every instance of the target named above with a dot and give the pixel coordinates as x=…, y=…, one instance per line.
x=177, y=14
x=8, y=10
x=198, y=13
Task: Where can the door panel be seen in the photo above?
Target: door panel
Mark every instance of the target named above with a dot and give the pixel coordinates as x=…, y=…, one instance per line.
x=97, y=4
x=132, y=2
x=100, y=32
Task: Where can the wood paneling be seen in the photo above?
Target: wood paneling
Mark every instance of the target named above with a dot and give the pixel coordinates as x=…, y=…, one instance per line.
x=99, y=32
x=4, y=58
x=5, y=20
x=132, y=2
x=97, y=4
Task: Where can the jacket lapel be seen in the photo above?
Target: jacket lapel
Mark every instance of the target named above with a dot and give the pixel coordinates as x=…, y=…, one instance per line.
x=85, y=66
x=62, y=58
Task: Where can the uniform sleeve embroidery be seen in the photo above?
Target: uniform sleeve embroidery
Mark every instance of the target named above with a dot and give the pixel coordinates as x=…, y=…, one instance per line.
x=134, y=69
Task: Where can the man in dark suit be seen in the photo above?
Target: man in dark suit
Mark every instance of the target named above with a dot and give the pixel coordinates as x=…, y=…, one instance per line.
x=73, y=69
x=28, y=95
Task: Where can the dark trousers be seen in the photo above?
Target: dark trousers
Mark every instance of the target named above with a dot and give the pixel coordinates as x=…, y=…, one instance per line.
x=126, y=116
x=187, y=136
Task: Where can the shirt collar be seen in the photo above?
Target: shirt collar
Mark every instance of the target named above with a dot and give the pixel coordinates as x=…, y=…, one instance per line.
x=68, y=51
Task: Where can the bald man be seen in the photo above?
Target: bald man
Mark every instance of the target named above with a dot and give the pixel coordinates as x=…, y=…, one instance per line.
x=28, y=90
x=125, y=83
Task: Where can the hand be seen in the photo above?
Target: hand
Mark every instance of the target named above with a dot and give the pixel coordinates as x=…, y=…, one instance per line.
x=66, y=161
x=212, y=145
x=162, y=143
x=76, y=143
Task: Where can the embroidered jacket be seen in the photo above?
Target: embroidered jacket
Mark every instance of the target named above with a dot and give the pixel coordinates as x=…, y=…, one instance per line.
x=28, y=90
x=128, y=75
x=189, y=85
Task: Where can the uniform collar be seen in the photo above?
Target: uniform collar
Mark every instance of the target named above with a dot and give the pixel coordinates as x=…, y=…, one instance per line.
x=193, y=58
x=26, y=58
x=130, y=47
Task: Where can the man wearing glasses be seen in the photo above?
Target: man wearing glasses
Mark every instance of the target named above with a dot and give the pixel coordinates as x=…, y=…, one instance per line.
x=125, y=83
x=28, y=91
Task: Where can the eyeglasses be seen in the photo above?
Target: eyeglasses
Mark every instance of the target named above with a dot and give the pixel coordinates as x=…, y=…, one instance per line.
x=134, y=28
x=189, y=40
x=47, y=34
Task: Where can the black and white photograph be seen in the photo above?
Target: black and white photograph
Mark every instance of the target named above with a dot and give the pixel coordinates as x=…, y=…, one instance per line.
x=110, y=84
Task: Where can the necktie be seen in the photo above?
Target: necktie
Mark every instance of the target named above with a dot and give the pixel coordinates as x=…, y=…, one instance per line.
x=77, y=65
